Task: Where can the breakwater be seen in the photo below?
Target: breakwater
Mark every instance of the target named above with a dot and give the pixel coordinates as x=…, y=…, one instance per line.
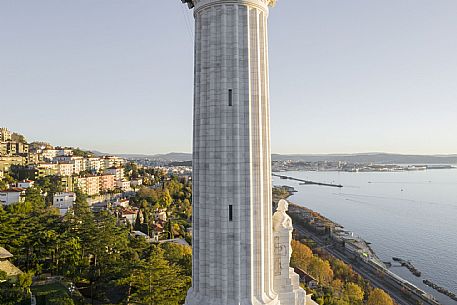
x=441, y=289
x=303, y=182
x=408, y=265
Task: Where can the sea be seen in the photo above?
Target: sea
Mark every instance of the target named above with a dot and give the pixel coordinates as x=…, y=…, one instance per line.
x=407, y=214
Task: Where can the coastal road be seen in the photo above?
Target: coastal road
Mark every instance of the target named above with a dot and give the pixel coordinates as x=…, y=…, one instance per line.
x=388, y=285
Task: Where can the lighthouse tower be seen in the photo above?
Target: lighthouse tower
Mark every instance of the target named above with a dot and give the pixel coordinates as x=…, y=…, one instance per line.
x=233, y=250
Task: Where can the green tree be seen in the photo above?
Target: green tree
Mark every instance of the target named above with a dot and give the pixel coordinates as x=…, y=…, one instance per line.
x=35, y=198
x=180, y=255
x=60, y=300
x=379, y=297
x=165, y=199
x=155, y=281
x=353, y=293
x=321, y=270
x=301, y=255
x=14, y=290
x=337, y=288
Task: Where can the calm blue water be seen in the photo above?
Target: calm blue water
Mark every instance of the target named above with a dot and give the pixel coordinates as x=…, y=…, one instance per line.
x=412, y=215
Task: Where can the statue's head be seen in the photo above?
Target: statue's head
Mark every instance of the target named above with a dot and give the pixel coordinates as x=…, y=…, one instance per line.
x=283, y=205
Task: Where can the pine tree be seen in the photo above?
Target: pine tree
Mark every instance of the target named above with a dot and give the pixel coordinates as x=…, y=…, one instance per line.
x=155, y=281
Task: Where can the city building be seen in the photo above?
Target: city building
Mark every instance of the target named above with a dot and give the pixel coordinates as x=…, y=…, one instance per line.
x=12, y=195
x=48, y=154
x=63, y=202
x=25, y=184
x=64, y=152
x=124, y=203
x=33, y=158
x=11, y=148
x=93, y=164
x=3, y=149
x=46, y=169
x=7, y=161
x=118, y=172
x=106, y=183
x=88, y=185
x=65, y=169
x=136, y=182
x=112, y=161
x=160, y=215
x=79, y=163
x=128, y=214
x=5, y=134
x=124, y=185
x=67, y=183
x=233, y=257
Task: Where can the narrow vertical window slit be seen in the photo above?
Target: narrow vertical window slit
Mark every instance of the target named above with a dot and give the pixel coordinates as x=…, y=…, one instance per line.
x=230, y=97
x=230, y=212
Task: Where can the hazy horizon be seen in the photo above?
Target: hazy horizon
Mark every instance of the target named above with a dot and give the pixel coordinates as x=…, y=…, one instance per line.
x=345, y=76
x=190, y=152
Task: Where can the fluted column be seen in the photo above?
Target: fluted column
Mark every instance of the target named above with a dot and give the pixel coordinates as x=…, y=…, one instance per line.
x=232, y=230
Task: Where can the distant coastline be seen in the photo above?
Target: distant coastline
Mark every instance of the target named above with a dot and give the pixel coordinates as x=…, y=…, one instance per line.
x=376, y=158
x=343, y=166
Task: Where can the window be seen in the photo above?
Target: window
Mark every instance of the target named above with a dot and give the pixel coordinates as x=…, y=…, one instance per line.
x=230, y=97
x=230, y=212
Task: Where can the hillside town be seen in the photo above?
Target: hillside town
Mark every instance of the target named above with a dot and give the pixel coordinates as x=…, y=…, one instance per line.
x=107, y=182
x=63, y=191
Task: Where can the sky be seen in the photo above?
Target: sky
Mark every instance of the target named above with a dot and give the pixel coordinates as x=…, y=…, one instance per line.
x=345, y=76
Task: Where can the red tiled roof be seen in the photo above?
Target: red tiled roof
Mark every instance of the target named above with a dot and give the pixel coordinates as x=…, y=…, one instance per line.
x=14, y=190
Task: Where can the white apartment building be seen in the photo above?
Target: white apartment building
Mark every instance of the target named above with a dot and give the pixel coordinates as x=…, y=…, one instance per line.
x=65, y=169
x=124, y=203
x=79, y=163
x=136, y=182
x=25, y=184
x=49, y=154
x=112, y=161
x=46, y=169
x=64, y=201
x=12, y=195
x=64, y=152
x=93, y=164
x=123, y=185
x=118, y=173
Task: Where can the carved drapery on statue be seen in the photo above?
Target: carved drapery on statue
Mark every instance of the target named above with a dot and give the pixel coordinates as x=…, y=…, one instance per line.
x=286, y=281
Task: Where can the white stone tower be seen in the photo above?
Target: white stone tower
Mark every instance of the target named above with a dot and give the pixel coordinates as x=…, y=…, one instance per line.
x=232, y=242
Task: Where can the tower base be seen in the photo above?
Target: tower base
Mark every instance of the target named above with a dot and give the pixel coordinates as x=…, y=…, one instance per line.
x=197, y=299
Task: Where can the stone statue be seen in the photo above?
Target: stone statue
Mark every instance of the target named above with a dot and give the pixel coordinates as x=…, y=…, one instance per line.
x=286, y=281
x=282, y=221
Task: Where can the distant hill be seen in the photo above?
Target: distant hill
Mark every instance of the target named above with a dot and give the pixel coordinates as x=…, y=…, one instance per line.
x=379, y=158
x=178, y=157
